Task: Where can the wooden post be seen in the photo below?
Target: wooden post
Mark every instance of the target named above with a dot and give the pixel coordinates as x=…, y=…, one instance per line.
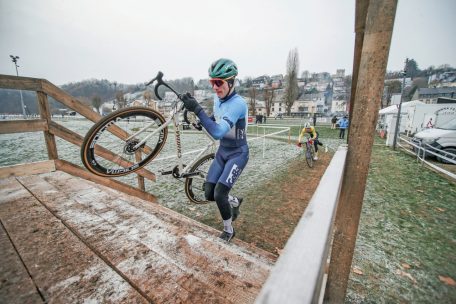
x=360, y=25
x=45, y=114
x=141, y=184
x=374, y=57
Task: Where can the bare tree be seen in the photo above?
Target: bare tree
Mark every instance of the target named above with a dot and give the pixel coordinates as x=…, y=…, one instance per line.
x=121, y=101
x=148, y=97
x=252, y=100
x=291, y=89
x=96, y=102
x=268, y=97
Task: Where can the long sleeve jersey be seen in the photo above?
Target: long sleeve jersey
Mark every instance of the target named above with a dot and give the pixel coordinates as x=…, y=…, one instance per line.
x=230, y=125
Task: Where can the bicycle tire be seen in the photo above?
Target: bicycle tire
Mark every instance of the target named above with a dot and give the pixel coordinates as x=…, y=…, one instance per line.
x=129, y=120
x=194, y=186
x=309, y=155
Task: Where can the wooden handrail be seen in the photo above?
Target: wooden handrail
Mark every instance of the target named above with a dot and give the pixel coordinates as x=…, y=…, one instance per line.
x=20, y=83
x=23, y=125
x=45, y=88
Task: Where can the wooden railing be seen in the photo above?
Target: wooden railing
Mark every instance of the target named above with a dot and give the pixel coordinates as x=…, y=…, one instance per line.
x=43, y=89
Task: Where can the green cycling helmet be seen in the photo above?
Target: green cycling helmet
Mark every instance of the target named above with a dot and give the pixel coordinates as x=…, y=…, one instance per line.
x=223, y=69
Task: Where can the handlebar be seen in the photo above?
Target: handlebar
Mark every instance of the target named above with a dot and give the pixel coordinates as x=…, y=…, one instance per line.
x=160, y=82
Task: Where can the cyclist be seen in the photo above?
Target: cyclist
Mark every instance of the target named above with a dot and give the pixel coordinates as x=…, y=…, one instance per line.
x=229, y=124
x=313, y=134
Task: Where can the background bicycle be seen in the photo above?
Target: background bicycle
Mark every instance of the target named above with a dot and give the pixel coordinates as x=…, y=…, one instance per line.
x=309, y=150
x=137, y=135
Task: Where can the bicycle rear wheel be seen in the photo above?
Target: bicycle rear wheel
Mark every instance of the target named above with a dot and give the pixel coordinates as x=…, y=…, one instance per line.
x=106, y=154
x=309, y=155
x=194, y=185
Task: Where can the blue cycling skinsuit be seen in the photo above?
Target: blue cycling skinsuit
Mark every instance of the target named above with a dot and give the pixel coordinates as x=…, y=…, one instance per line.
x=230, y=126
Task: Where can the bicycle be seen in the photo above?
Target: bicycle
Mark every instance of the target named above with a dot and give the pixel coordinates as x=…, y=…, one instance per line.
x=309, y=151
x=137, y=135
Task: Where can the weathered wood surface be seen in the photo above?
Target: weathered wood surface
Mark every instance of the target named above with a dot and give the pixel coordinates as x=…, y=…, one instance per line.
x=45, y=114
x=81, y=241
x=27, y=169
x=20, y=83
x=75, y=170
x=19, y=126
x=61, y=267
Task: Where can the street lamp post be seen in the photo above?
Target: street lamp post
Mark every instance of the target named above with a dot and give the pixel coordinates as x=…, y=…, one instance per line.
x=396, y=131
x=14, y=59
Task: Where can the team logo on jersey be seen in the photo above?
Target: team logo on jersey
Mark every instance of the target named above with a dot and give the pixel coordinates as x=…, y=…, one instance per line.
x=234, y=174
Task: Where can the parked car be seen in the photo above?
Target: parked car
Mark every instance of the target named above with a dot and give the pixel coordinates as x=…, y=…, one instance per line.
x=442, y=138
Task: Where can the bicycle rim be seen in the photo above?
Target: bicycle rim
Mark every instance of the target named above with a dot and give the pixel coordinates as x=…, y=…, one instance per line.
x=100, y=141
x=194, y=186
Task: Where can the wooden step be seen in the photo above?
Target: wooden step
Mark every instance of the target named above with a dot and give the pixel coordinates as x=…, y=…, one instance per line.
x=161, y=255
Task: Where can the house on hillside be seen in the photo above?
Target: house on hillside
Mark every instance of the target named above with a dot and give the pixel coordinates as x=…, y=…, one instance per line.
x=276, y=81
x=261, y=82
x=430, y=95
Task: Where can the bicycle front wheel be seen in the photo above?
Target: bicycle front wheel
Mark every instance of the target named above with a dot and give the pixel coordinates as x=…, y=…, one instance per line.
x=194, y=185
x=106, y=154
x=309, y=155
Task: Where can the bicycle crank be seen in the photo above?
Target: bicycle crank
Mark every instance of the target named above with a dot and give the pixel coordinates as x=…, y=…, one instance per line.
x=174, y=172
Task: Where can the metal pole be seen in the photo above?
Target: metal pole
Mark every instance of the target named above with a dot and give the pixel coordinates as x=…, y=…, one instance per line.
x=398, y=118
x=14, y=59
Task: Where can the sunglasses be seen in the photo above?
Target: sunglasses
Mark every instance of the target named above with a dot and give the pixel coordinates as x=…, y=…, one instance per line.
x=217, y=82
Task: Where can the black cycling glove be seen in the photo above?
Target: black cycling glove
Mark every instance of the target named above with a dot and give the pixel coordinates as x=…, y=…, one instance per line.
x=190, y=103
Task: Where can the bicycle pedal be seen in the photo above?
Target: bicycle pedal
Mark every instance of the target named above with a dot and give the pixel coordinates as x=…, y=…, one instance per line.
x=166, y=172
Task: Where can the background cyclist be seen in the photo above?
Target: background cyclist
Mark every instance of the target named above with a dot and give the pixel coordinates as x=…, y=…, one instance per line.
x=313, y=134
x=229, y=124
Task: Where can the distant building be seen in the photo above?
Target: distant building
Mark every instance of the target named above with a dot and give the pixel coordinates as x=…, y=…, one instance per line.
x=260, y=82
x=430, y=95
x=277, y=81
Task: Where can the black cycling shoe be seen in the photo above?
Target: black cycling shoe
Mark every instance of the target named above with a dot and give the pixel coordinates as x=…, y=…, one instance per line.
x=226, y=236
x=235, y=210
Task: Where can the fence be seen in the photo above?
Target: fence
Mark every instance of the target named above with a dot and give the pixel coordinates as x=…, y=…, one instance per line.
x=43, y=89
x=422, y=150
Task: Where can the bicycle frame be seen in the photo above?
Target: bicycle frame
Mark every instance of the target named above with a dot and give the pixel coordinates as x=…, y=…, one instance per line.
x=174, y=119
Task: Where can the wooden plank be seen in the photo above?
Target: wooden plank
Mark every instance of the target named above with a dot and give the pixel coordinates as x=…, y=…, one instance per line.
x=168, y=256
x=16, y=285
x=298, y=274
x=77, y=140
x=141, y=184
x=18, y=126
x=360, y=25
x=20, y=83
x=27, y=169
x=374, y=58
x=63, y=268
x=112, y=183
x=46, y=115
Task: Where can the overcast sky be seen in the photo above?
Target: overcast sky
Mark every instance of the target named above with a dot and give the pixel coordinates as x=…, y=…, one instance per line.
x=129, y=41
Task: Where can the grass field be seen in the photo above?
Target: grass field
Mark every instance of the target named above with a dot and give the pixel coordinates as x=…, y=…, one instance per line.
x=406, y=245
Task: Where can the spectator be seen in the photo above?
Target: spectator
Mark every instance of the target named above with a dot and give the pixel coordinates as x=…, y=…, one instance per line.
x=333, y=122
x=343, y=124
